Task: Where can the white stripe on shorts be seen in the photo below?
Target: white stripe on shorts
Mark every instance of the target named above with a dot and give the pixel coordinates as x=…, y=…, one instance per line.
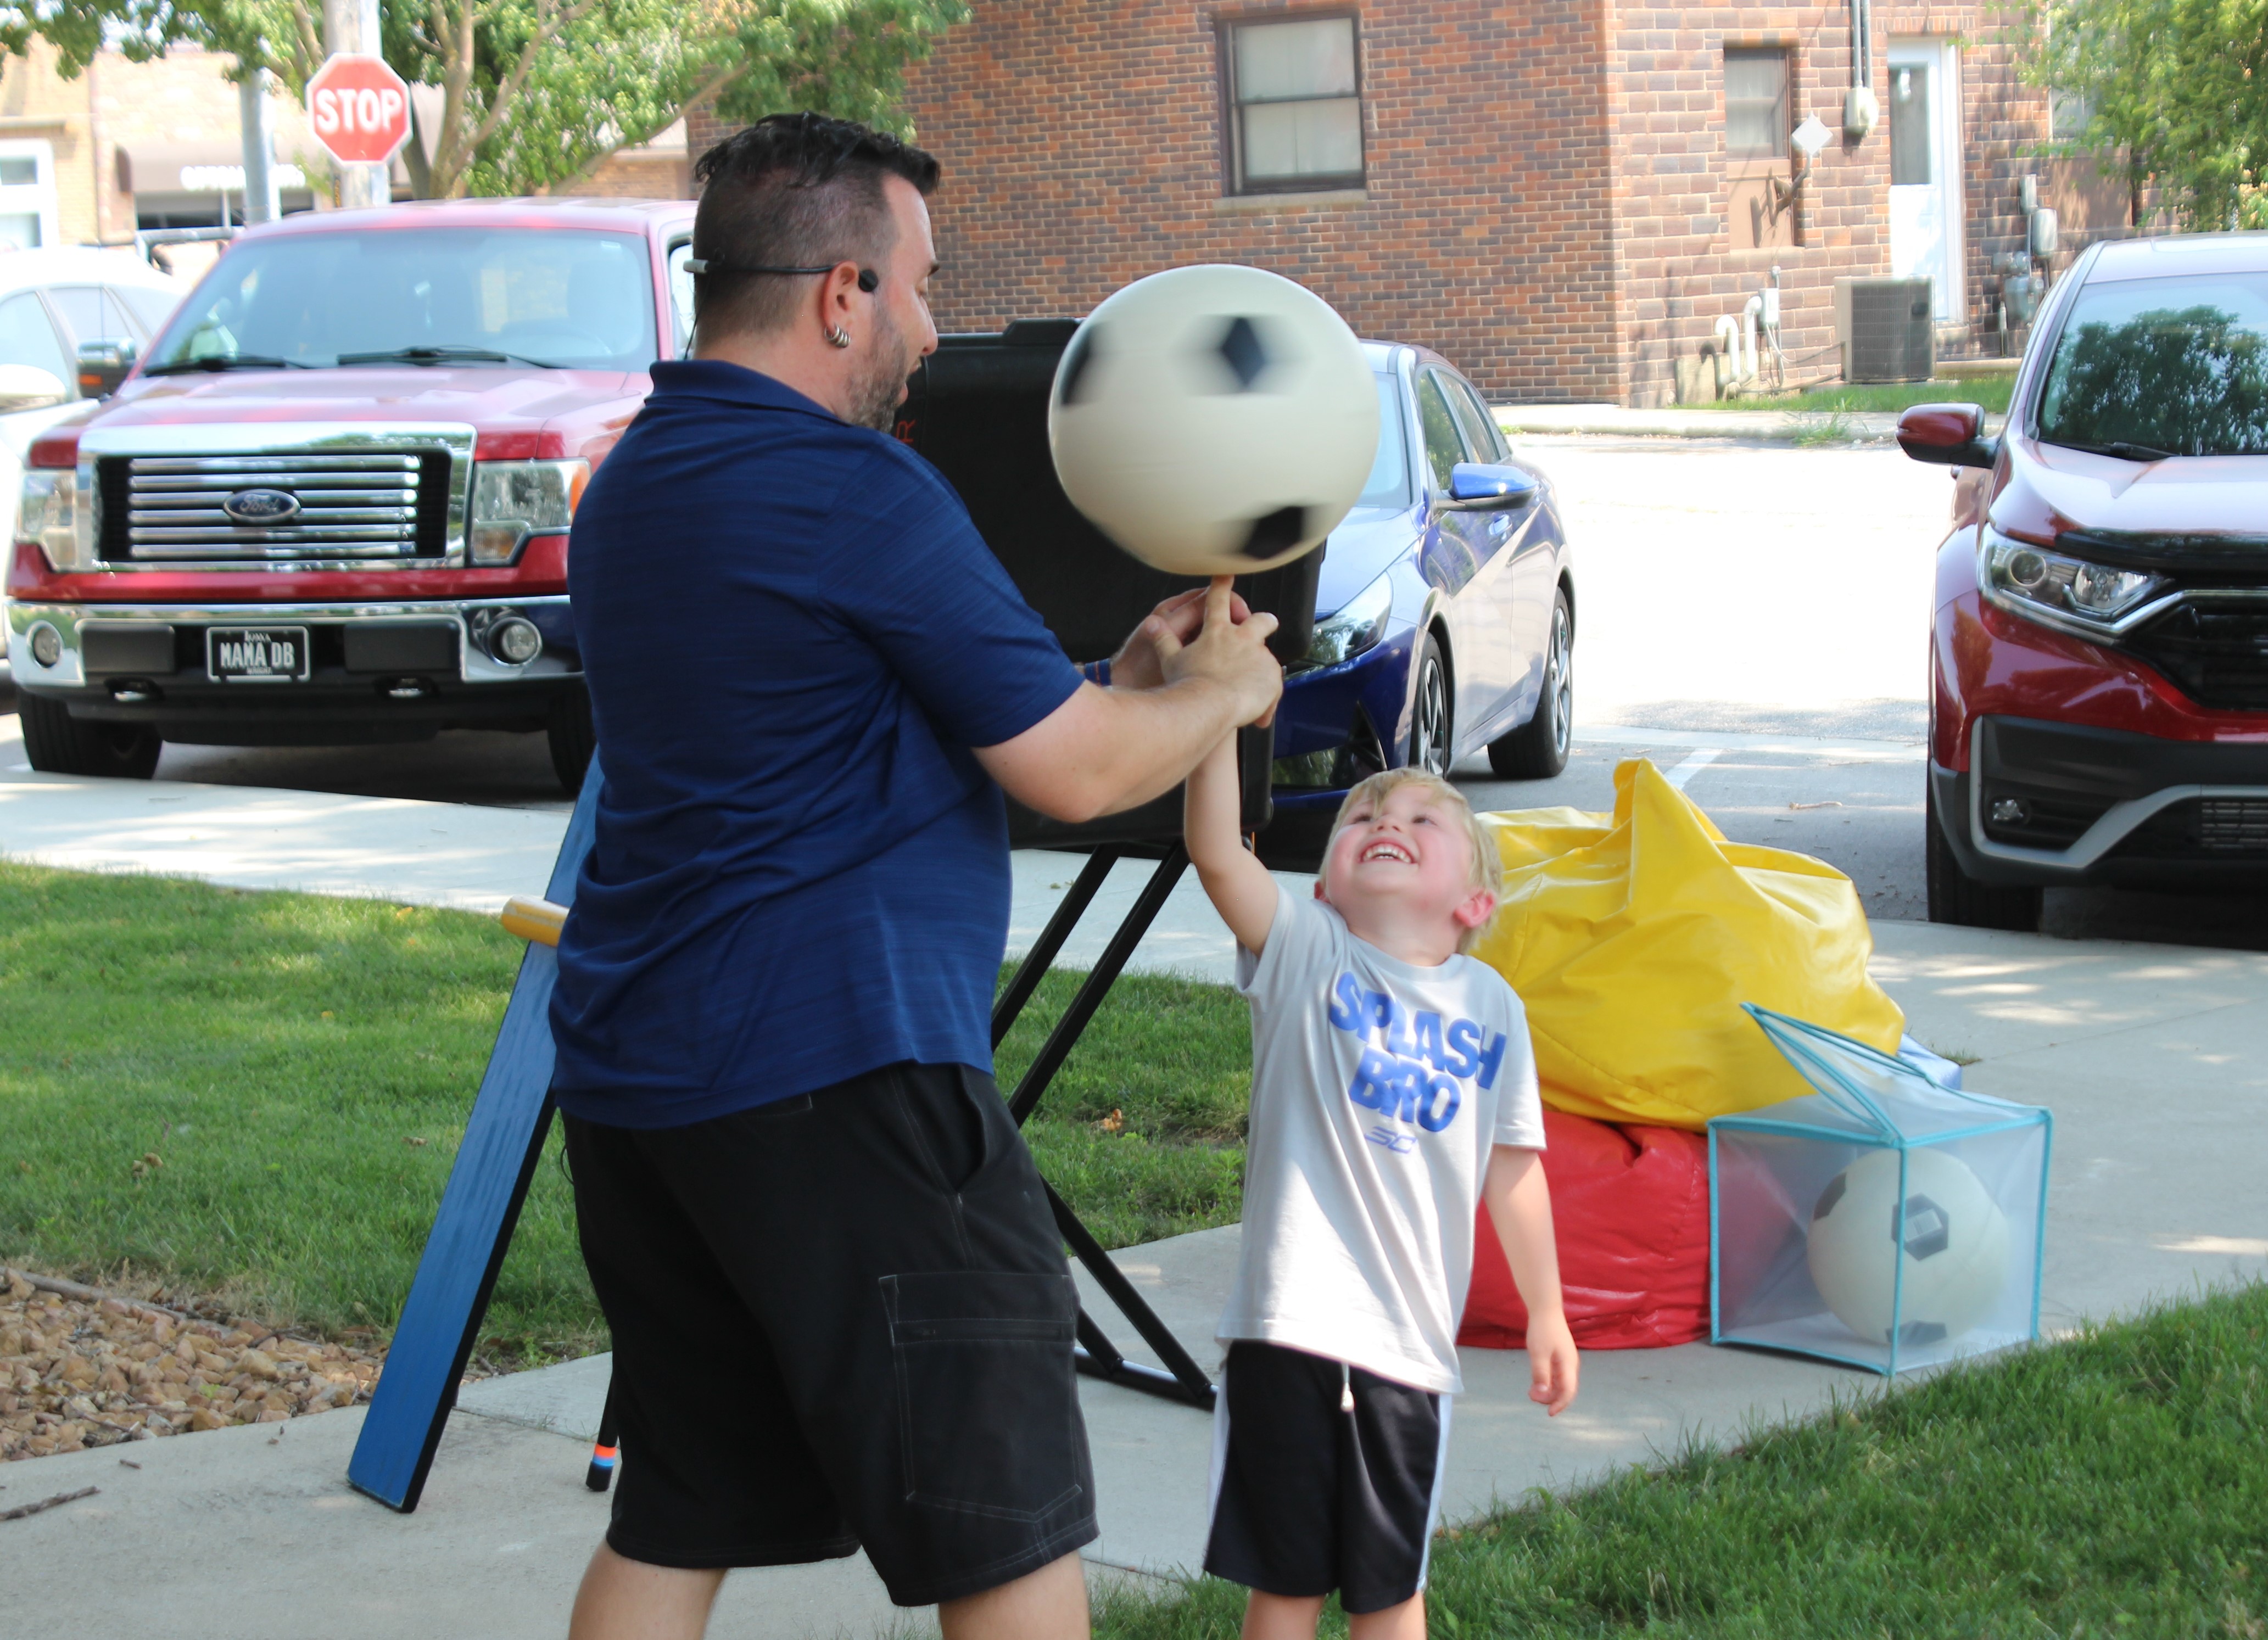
x=1440, y=1480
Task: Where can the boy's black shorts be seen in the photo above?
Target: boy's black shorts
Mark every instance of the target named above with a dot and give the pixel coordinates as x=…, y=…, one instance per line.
x=1308, y=1497
x=841, y=1322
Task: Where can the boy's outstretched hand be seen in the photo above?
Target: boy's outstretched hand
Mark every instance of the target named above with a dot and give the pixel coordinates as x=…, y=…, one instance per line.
x=1553, y=1365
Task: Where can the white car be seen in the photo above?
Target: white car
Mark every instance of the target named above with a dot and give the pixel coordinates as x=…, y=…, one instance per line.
x=53, y=303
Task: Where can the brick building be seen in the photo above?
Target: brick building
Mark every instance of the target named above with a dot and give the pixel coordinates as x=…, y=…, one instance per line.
x=1562, y=196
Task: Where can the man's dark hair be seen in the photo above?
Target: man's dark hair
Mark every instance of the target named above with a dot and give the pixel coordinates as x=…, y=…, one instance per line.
x=793, y=190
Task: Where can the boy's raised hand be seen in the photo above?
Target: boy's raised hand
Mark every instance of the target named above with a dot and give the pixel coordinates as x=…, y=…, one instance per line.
x=1553, y=1365
x=1231, y=652
x=1137, y=665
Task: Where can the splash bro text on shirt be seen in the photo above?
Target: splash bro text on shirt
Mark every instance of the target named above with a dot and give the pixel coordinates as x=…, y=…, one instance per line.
x=1415, y=1070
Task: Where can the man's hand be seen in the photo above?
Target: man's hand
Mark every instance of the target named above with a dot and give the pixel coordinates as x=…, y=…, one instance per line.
x=1137, y=665
x=1227, y=651
x=1552, y=1366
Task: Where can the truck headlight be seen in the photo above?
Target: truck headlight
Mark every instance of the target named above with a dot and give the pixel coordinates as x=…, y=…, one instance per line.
x=54, y=516
x=2058, y=590
x=513, y=500
x=1355, y=625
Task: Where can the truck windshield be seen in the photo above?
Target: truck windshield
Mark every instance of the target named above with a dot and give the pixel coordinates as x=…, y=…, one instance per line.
x=563, y=299
x=2148, y=368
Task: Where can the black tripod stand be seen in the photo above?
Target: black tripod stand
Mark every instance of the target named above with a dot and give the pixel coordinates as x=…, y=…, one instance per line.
x=1184, y=1380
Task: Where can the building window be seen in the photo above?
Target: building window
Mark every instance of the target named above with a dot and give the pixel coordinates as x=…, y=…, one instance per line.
x=1294, y=105
x=1755, y=102
x=1908, y=125
x=2069, y=115
x=27, y=195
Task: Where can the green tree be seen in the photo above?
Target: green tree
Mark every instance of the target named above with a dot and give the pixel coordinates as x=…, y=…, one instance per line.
x=2177, y=93
x=536, y=92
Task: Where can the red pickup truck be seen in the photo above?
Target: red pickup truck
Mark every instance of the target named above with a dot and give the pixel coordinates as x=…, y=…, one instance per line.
x=329, y=505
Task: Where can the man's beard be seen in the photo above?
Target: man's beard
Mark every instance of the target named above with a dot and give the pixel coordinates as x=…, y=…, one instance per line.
x=881, y=383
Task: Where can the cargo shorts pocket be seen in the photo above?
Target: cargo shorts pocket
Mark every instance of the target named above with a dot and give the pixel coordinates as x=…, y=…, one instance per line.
x=988, y=1404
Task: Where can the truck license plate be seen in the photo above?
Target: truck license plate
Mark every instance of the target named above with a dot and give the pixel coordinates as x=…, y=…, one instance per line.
x=256, y=654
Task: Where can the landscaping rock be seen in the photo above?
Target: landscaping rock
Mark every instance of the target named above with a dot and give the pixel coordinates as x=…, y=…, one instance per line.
x=81, y=1369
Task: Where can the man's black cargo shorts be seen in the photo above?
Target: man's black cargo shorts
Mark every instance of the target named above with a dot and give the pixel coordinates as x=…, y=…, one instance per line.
x=842, y=1320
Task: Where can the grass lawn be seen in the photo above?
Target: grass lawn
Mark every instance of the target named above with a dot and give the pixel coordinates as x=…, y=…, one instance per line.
x=1991, y=392
x=300, y=1069
x=2111, y=1485
x=1844, y=398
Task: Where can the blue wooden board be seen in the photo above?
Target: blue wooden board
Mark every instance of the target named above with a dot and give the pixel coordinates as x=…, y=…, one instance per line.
x=503, y=1139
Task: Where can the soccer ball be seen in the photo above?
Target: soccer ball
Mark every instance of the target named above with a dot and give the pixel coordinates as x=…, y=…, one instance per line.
x=1949, y=1237
x=1213, y=420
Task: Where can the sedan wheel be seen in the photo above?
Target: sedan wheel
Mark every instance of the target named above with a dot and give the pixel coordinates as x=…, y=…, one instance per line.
x=1432, y=746
x=1537, y=749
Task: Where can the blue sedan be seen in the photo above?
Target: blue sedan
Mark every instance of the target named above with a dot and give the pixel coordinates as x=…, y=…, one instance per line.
x=1445, y=613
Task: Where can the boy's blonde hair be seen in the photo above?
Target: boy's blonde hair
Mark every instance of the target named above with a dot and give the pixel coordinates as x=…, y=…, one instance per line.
x=1487, y=864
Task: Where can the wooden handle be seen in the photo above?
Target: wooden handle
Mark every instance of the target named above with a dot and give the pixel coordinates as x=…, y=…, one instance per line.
x=533, y=919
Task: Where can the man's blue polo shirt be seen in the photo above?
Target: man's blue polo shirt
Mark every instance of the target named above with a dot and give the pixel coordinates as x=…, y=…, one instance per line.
x=792, y=635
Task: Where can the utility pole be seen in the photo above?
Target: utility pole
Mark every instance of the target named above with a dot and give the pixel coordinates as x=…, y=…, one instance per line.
x=353, y=26
x=261, y=200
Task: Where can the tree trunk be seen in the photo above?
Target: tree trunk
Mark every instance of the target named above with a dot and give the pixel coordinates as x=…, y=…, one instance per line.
x=413, y=158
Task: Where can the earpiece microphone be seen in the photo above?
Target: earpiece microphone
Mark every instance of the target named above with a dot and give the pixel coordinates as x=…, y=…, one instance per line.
x=869, y=281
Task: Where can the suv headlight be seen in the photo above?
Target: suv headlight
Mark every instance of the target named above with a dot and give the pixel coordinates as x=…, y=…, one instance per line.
x=1355, y=625
x=513, y=500
x=54, y=514
x=2057, y=590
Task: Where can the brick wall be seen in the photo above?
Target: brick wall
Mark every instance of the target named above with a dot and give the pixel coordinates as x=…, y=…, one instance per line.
x=1547, y=202
x=1682, y=263
x=1082, y=149
x=39, y=106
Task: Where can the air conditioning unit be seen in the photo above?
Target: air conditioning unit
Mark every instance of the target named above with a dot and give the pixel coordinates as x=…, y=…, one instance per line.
x=1885, y=329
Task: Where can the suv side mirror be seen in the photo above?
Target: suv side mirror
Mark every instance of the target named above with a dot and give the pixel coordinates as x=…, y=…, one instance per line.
x=1947, y=435
x=102, y=365
x=1481, y=486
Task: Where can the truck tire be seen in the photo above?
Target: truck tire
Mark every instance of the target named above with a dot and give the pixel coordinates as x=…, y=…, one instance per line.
x=1957, y=898
x=1537, y=750
x=573, y=738
x=56, y=743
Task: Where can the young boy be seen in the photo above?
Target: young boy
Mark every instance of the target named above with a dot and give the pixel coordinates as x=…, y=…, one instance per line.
x=1393, y=1088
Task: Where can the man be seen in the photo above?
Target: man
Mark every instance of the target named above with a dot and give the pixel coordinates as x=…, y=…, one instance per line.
x=840, y=1315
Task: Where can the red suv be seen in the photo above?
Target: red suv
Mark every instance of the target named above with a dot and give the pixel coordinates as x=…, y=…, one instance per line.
x=2099, y=698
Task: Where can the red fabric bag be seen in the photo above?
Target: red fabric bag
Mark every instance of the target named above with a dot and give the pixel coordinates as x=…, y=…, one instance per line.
x=1630, y=1207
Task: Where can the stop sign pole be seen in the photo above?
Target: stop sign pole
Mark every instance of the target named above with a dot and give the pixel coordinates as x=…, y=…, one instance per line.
x=350, y=29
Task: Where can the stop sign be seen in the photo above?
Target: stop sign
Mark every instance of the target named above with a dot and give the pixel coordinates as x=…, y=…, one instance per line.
x=359, y=108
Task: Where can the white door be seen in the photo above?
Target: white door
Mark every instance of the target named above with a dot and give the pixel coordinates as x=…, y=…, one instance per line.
x=1925, y=170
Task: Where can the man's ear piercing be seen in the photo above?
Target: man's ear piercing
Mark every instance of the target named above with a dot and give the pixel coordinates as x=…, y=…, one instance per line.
x=839, y=337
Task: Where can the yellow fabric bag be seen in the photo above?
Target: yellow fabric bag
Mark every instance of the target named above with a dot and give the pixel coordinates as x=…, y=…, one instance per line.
x=1634, y=938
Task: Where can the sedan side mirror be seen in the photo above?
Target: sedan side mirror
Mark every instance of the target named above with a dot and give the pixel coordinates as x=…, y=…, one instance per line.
x=102, y=365
x=1947, y=435
x=28, y=387
x=1480, y=487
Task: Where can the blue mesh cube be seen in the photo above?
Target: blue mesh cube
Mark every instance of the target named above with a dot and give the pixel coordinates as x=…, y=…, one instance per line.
x=1887, y=1221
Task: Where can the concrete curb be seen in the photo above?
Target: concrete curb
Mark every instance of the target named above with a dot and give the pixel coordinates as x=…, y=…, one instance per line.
x=1769, y=426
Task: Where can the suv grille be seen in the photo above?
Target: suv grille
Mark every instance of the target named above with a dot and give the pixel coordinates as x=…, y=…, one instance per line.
x=361, y=504
x=2216, y=652
x=2215, y=827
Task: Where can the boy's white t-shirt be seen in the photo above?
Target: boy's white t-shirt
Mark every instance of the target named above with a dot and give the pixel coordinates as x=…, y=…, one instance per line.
x=1377, y=1089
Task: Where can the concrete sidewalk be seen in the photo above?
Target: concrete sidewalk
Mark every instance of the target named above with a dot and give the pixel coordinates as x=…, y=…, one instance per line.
x=2150, y=1057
